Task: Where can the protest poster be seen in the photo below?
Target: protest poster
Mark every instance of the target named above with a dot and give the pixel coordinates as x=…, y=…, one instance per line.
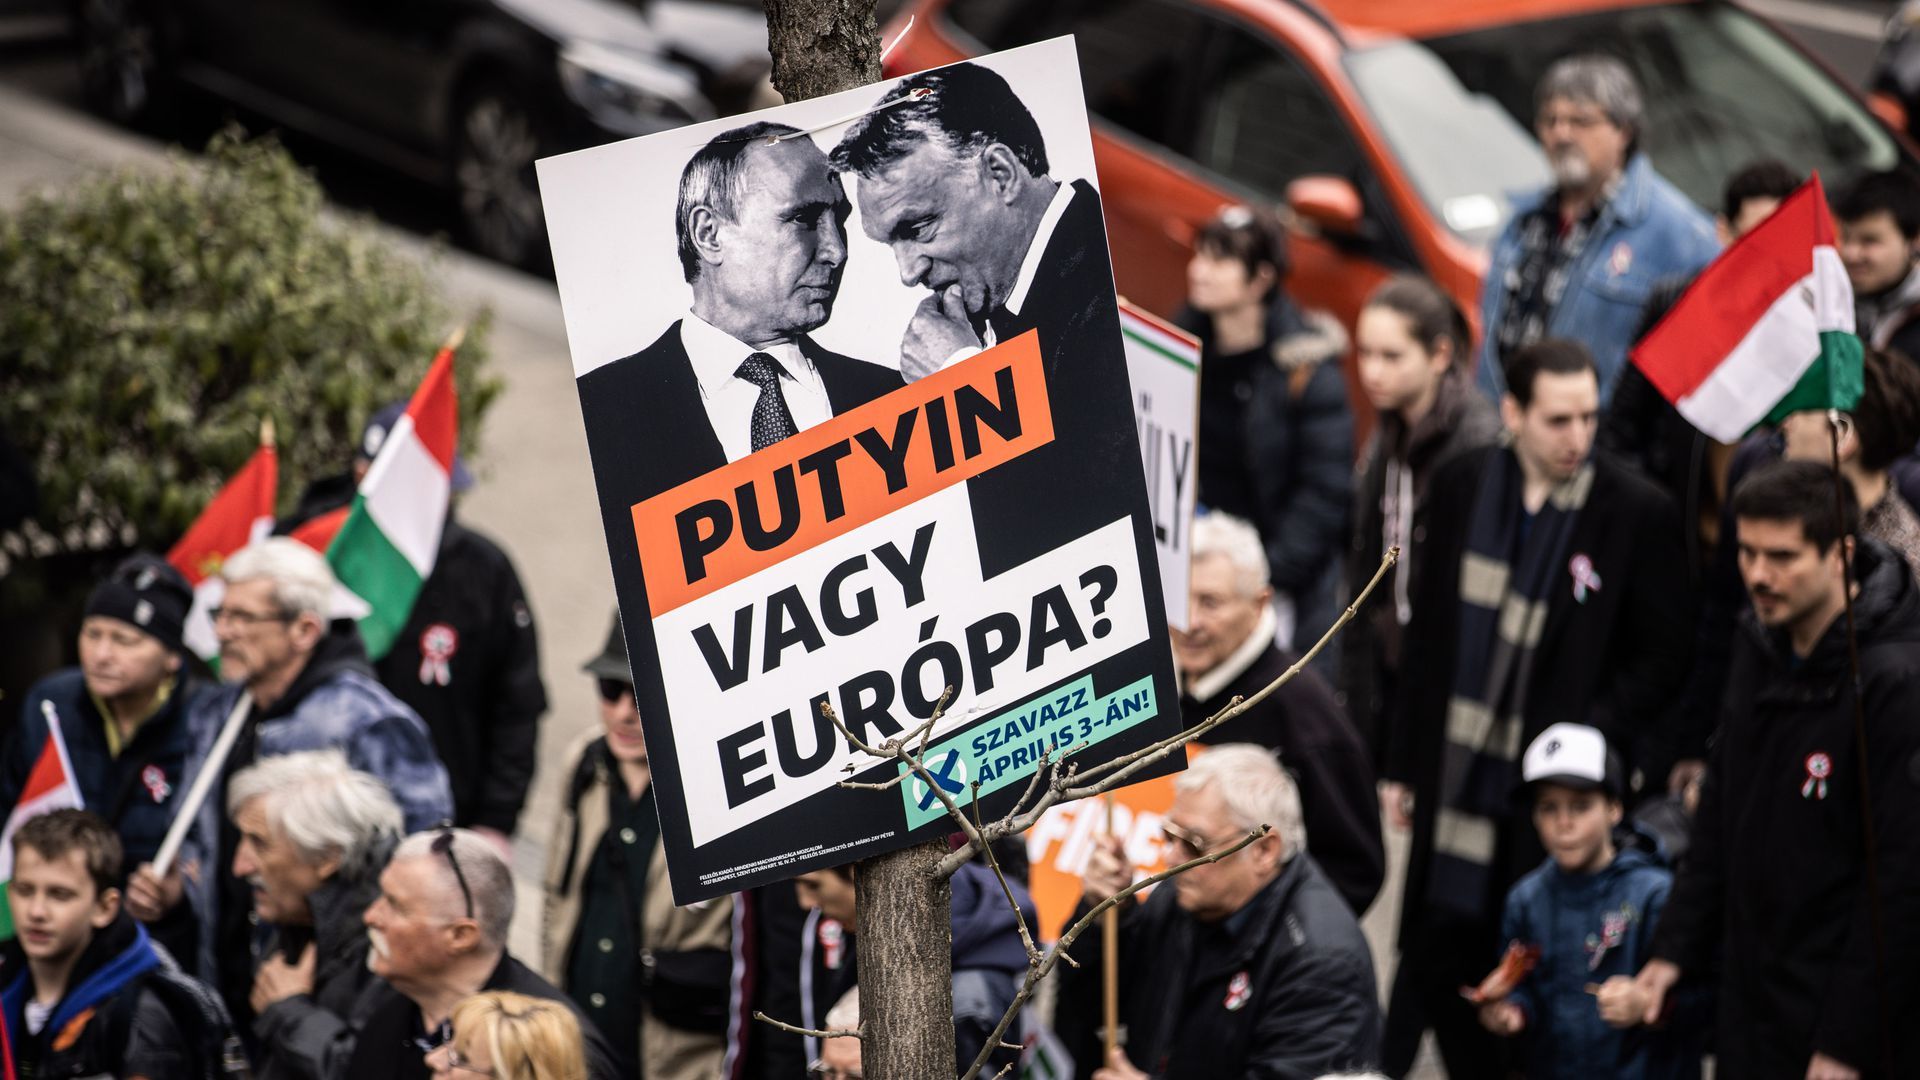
x=1163, y=362
x=857, y=407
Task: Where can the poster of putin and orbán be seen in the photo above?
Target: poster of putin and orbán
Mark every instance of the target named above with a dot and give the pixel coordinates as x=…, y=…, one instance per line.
x=860, y=424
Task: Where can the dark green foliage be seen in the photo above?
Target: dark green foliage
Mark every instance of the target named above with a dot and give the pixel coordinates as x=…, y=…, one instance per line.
x=150, y=320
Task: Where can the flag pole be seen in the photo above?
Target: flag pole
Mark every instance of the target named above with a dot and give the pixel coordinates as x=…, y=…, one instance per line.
x=266, y=432
x=1110, y=964
x=1869, y=842
x=452, y=344
x=210, y=770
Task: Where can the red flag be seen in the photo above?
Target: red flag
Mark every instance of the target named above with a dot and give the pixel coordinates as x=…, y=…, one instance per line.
x=241, y=513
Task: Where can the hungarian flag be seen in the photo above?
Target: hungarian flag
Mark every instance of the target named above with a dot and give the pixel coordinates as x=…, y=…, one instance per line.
x=387, y=546
x=240, y=514
x=1766, y=330
x=49, y=787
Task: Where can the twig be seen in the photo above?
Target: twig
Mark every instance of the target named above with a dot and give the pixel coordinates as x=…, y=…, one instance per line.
x=1040, y=970
x=1121, y=769
x=993, y=861
x=808, y=1032
x=896, y=749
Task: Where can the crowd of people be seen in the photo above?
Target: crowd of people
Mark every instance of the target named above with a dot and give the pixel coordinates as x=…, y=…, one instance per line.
x=1642, y=702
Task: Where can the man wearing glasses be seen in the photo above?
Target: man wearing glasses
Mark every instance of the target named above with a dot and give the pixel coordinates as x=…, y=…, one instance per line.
x=1578, y=260
x=438, y=932
x=1252, y=965
x=312, y=689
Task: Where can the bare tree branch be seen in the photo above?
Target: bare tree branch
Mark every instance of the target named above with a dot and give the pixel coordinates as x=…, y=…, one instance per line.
x=808, y=1032
x=1039, y=970
x=1120, y=770
x=993, y=861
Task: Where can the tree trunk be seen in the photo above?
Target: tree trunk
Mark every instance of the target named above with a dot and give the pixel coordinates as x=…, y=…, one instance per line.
x=906, y=964
x=906, y=928
x=907, y=1000
x=821, y=46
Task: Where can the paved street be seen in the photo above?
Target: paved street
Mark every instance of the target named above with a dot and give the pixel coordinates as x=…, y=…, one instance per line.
x=535, y=493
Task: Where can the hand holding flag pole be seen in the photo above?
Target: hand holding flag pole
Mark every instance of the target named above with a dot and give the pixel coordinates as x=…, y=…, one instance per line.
x=210, y=771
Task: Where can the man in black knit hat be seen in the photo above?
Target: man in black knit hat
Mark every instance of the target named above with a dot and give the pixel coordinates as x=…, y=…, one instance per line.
x=122, y=713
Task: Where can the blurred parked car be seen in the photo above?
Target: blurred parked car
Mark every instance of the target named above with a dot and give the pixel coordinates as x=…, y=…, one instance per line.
x=1395, y=131
x=465, y=94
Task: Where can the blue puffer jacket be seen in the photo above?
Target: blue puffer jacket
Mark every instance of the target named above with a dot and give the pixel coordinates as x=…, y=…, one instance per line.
x=1648, y=231
x=137, y=791
x=988, y=962
x=1591, y=927
x=335, y=702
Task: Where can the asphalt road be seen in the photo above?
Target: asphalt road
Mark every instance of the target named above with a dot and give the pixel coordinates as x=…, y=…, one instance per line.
x=535, y=494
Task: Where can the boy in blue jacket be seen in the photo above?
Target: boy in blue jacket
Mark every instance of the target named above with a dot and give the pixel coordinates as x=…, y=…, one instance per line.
x=1591, y=908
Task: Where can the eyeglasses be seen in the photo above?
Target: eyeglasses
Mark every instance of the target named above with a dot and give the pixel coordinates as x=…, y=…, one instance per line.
x=611, y=690
x=820, y=1070
x=443, y=845
x=1181, y=837
x=1578, y=121
x=246, y=618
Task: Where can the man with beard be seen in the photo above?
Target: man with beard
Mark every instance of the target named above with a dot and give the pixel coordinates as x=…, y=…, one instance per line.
x=1816, y=738
x=761, y=224
x=1579, y=260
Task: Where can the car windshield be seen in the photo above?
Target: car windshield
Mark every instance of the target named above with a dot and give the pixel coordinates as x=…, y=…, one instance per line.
x=1722, y=90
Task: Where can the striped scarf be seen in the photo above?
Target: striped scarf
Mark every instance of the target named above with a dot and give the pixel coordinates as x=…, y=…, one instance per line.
x=1506, y=573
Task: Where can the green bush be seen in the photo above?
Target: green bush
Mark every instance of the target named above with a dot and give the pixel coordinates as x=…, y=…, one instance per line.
x=150, y=319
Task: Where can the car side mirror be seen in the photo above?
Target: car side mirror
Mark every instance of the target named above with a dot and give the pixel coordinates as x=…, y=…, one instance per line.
x=1330, y=204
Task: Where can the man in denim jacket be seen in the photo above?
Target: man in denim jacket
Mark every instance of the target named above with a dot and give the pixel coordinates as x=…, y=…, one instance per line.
x=1578, y=260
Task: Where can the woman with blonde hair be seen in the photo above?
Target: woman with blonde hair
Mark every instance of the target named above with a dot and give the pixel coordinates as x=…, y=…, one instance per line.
x=511, y=1036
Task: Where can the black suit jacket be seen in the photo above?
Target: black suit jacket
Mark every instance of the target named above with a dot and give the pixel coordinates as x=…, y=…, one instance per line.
x=648, y=432
x=1092, y=462
x=652, y=399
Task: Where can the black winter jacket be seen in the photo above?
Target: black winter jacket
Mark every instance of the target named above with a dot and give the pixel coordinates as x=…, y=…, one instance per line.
x=1614, y=659
x=386, y=1045
x=1461, y=420
x=128, y=1010
x=1294, y=478
x=1775, y=877
x=137, y=791
x=310, y=1036
x=1292, y=998
x=485, y=716
x=1329, y=764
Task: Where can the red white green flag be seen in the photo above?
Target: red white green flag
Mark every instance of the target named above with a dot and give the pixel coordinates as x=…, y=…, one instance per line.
x=385, y=550
x=49, y=787
x=1766, y=329
x=241, y=513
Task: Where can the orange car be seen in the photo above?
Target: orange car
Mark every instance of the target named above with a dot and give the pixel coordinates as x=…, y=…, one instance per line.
x=1394, y=130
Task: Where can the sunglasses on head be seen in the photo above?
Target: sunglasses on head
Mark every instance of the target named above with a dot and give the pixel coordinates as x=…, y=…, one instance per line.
x=612, y=689
x=443, y=845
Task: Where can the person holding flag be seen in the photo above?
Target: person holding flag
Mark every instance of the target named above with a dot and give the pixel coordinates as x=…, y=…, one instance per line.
x=122, y=713
x=1802, y=881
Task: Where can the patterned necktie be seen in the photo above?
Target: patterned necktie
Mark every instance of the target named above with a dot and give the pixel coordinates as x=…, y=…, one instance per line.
x=771, y=420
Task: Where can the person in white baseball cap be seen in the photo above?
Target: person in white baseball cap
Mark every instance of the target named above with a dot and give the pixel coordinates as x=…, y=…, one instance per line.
x=1589, y=909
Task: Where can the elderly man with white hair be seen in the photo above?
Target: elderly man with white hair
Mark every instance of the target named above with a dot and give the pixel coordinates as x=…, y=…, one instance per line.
x=438, y=930
x=314, y=835
x=312, y=689
x=1228, y=651
x=1249, y=966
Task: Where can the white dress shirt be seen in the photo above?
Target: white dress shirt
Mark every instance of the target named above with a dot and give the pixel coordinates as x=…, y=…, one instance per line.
x=717, y=355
